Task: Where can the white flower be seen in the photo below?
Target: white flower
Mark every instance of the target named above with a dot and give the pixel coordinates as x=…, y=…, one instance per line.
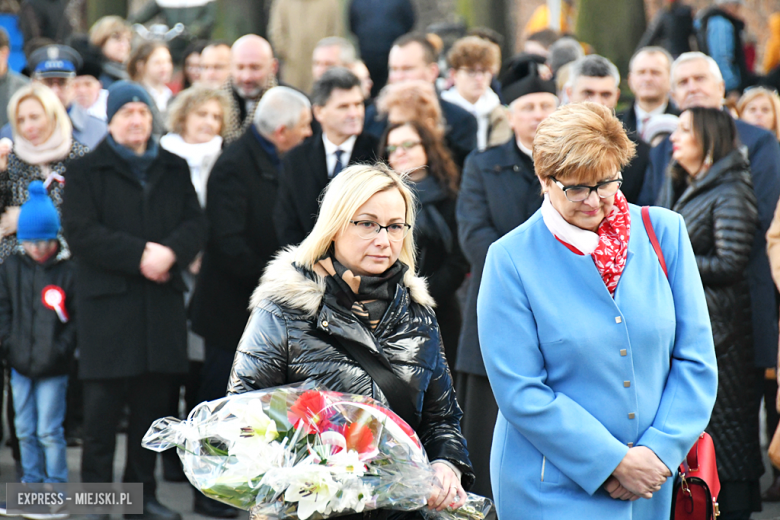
x=346, y=463
x=353, y=497
x=313, y=490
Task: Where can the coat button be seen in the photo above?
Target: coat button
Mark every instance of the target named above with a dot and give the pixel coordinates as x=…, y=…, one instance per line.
x=325, y=323
x=497, y=168
x=623, y=352
x=516, y=168
x=618, y=319
x=631, y=415
x=626, y=384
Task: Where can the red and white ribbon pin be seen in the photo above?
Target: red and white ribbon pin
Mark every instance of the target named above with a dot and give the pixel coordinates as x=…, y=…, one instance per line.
x=54, y=298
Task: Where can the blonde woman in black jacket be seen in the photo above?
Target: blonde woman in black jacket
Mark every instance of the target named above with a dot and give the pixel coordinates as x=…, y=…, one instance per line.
x=351, y=287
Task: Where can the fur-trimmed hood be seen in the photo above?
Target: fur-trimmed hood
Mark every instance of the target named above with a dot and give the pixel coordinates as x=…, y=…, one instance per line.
x=283, y=283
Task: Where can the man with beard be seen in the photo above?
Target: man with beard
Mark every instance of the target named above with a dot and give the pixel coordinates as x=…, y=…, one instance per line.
x=337, y=102
x=252, y=71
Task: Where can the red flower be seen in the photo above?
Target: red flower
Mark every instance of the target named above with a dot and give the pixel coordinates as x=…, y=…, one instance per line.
x=400, y=422
x=310, y=408
x=359, y=437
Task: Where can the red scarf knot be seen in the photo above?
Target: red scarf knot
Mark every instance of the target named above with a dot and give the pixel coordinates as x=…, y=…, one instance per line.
x=611, y=253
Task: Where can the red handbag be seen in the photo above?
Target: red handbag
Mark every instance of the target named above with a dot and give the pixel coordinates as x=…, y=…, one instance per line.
x=696, y=489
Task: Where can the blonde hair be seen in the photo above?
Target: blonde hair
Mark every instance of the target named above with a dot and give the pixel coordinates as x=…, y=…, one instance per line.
x=343, y=196
x=52, y=107
x=774, y=100
x=582, y=141
x=102, y=30
x=417, y=97
x=189, y=100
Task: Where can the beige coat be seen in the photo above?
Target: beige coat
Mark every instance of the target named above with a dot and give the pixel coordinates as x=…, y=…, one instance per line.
x=773, y=251
x=295, y=27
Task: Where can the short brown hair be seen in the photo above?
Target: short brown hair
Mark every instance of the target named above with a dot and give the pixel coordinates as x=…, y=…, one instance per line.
x=416, y=96
x=582, y=142
x=430, y=54
x=189, y=100
x=473, y=51
x=102, y=30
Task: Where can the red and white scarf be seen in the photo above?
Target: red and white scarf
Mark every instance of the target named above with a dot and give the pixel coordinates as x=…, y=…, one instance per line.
x=608, y=246
x=611, y=253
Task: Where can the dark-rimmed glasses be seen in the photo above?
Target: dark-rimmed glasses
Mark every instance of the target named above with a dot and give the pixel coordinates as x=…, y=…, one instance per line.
x=580, y=192
x=368, y=229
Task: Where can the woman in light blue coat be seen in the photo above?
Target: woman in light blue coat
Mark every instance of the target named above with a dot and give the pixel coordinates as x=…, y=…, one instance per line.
x=603, y=366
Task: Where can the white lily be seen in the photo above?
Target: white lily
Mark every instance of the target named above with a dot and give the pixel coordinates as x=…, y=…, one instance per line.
x=346, y=463
x=313, y=490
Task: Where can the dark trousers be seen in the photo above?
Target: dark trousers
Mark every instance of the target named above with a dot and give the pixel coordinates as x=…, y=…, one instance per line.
x=480, y=411
x=104, y=400
x=217, y=365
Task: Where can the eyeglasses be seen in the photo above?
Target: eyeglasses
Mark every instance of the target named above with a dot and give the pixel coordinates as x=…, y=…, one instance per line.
x=405, y=146
x=579, y=193
x=473, y=73
x=368, y=229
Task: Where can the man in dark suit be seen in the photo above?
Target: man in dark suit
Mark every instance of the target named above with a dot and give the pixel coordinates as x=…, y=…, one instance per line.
x=648, y=79
x=338, y=106
x=242, y=189
x=596, y=79
x=499, y=192
x=414, y=58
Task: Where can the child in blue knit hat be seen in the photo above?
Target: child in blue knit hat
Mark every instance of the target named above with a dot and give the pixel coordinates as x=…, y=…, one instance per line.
x=38, y=337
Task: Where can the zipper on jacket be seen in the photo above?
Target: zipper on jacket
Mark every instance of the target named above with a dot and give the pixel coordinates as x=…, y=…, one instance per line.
x=544, y=460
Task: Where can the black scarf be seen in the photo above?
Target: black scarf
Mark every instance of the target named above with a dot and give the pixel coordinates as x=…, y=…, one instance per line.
x=368, y=297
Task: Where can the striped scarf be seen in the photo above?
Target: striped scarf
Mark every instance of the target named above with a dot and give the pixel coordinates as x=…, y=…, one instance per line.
x=368, y=297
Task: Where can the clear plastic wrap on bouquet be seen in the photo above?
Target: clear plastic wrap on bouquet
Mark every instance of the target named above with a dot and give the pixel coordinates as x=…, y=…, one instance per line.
x=303, y=452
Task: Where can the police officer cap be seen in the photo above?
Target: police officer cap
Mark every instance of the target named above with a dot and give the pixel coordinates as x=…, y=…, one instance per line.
x=55, y=61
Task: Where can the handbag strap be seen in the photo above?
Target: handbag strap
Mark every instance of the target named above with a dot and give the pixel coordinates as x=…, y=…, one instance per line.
x=396, y=391
x=653, y=239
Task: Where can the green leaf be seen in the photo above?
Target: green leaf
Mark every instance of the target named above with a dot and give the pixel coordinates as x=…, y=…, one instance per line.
x=278, y=411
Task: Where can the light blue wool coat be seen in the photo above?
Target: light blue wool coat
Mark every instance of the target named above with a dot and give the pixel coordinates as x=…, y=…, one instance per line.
x=579, y=375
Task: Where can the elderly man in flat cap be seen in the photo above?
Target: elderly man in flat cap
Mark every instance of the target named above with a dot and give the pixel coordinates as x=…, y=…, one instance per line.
x=56, y=67
x=133, y=222
x=499, y=192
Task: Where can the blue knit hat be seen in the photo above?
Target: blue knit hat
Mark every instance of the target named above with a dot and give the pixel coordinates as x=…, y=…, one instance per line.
x=122, y=92
x=38, y=218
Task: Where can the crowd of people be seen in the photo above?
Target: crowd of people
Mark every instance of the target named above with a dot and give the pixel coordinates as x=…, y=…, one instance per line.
x=413, y=218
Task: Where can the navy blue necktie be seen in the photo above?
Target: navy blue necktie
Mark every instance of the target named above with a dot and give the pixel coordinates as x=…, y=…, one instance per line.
x=339, y=165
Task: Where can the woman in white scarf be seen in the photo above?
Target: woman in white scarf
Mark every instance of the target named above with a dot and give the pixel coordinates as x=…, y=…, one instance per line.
x=473, y=62
x=43, y=144
x=197, y=119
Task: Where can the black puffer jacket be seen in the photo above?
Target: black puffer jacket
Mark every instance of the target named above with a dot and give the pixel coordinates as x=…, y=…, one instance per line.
x=290, y=338
x=720, y=213
x=35, y=342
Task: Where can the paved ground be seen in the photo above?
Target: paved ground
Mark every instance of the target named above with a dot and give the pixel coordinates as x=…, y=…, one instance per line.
x=178, y=496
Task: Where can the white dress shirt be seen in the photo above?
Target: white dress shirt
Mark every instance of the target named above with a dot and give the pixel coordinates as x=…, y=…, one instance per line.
x=330, y=152
x=642, y=117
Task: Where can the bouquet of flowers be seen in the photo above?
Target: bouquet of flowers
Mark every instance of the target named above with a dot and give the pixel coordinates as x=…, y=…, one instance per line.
x=301, y=452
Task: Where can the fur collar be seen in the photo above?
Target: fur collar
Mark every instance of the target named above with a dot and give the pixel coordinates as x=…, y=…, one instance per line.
x=284, y=284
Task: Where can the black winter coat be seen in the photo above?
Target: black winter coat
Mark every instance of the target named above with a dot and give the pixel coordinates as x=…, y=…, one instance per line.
x=499, y=192
x=291, y=337
x=241, y=194
x=440, y=259
x=128, y=325
x=721, y=216
x=34, y=341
